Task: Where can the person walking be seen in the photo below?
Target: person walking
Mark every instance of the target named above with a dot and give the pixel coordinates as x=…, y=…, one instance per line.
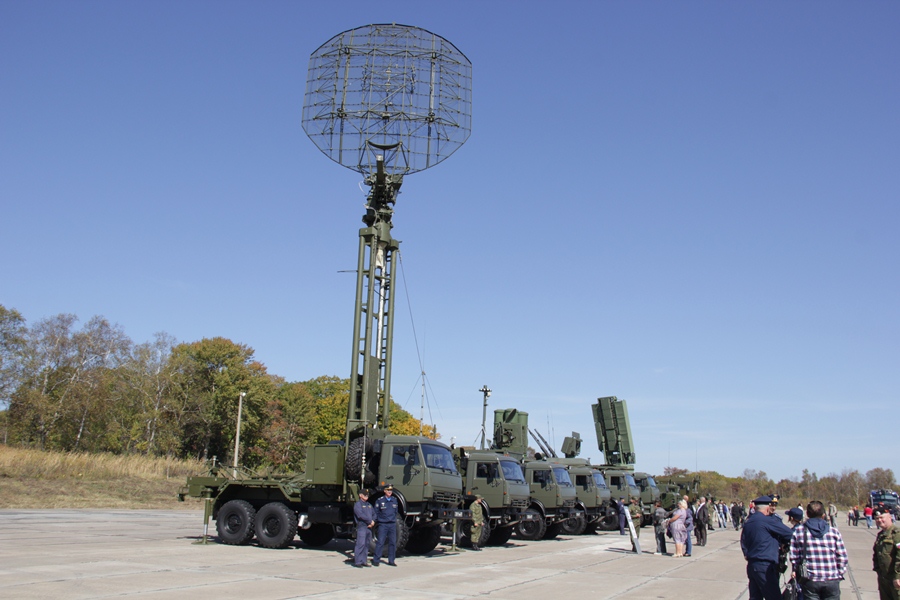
x=820, y=548
x=364, y=514
x=386, y=510
x=761, y=537
x=477, y=522
x=885, y=560
x=736, y=515
x=659, y=526
x=832, y=514
x=702, y=521
x=867, y=513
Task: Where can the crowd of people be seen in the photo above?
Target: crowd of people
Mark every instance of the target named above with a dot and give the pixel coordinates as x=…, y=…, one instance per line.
x=810, y=551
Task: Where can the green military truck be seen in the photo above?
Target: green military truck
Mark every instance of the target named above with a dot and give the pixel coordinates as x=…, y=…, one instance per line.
x=500, y=480
x=593, y=506
x=551, y=491
x=318, y=504
x=649, y=495
x=675, y=487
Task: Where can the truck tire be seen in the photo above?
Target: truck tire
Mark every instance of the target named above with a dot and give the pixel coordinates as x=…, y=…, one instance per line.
x=317, y=535
x=359, y=451
x=500, y=535
x=574, y=526
x=552, y=531
x=483, y=538
x=276, y=525
x=531, y=530
x=423, y=540
x=236, y=522
x=402, y=538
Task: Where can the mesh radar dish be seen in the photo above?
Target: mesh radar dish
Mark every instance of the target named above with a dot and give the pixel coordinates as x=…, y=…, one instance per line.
x=386, y=101
x=394, y=91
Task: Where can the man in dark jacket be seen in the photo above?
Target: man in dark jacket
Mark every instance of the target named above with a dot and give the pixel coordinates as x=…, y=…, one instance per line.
x=702, y=522
x=761, y=538
x=364, y=514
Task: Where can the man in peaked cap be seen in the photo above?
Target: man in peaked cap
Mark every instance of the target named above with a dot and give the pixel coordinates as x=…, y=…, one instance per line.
x=761, y=538
x=477, y=531
x=364, y=514
x=386, y=510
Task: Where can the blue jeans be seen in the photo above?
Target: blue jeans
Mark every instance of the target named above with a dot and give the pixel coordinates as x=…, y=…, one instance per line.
x=690, y=543
x=387, y=533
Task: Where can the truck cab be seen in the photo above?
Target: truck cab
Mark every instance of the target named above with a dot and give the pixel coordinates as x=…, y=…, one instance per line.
x=553, y=499
x=500, y=480
x=649, y=494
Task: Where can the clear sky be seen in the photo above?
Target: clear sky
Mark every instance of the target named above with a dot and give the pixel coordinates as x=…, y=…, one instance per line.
x=689, y=205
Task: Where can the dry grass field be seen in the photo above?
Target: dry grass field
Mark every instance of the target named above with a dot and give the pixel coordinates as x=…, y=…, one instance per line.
x=36, y=479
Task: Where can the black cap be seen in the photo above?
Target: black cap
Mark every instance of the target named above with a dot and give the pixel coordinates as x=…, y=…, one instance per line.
x=388, y=487
x=795, y=513
x=364, y=492
x=880, y=511
x=763, y=500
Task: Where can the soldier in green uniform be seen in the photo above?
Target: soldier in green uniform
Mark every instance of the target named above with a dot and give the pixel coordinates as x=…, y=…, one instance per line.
x=886, y=563
x=477, y=522
x=634, y=509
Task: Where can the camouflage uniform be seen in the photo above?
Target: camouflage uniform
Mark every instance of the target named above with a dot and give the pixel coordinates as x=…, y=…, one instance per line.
x=886, y=562
x=636, y=516
x=477, y=523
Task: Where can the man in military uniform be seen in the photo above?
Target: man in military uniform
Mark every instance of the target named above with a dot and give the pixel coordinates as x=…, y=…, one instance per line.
x=634, y=509
x=477, y=522
x=364, y=513
x=762, y=535
x=885, y=559
x=386, y=510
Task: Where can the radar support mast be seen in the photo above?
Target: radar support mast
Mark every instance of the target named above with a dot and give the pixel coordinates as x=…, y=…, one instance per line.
x=368, y=412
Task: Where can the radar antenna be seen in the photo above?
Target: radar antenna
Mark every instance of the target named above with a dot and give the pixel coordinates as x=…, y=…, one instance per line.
x=385, y=101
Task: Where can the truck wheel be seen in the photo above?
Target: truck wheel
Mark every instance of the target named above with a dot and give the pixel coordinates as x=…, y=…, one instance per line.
x=317, y=535
x=609, y=523
x=574, y=526
x=423, y=540
x=359, y=449
x=483, y=538
x=500, y=535
x=276, y=525
x=531, y=530
x=236, y=522
x=402, y=538
x=552, y=531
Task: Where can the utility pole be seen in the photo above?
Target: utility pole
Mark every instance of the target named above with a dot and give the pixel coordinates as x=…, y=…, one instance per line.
x=487, y=394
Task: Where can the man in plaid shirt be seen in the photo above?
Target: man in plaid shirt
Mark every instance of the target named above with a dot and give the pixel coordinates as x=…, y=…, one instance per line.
x=822, y=548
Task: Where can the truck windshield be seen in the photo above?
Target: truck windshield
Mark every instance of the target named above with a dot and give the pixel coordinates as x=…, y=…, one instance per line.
x=562, y=476
x=651, y=482
x=512, y=471
x=438, y=457
x=629, y=479
x=598, y=479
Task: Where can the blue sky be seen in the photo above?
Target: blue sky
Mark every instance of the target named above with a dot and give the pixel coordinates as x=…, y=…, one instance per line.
x=688, y=205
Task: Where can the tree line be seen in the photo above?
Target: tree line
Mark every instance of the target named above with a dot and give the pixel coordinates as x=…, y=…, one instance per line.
x=92, y=389
x=846, y=489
